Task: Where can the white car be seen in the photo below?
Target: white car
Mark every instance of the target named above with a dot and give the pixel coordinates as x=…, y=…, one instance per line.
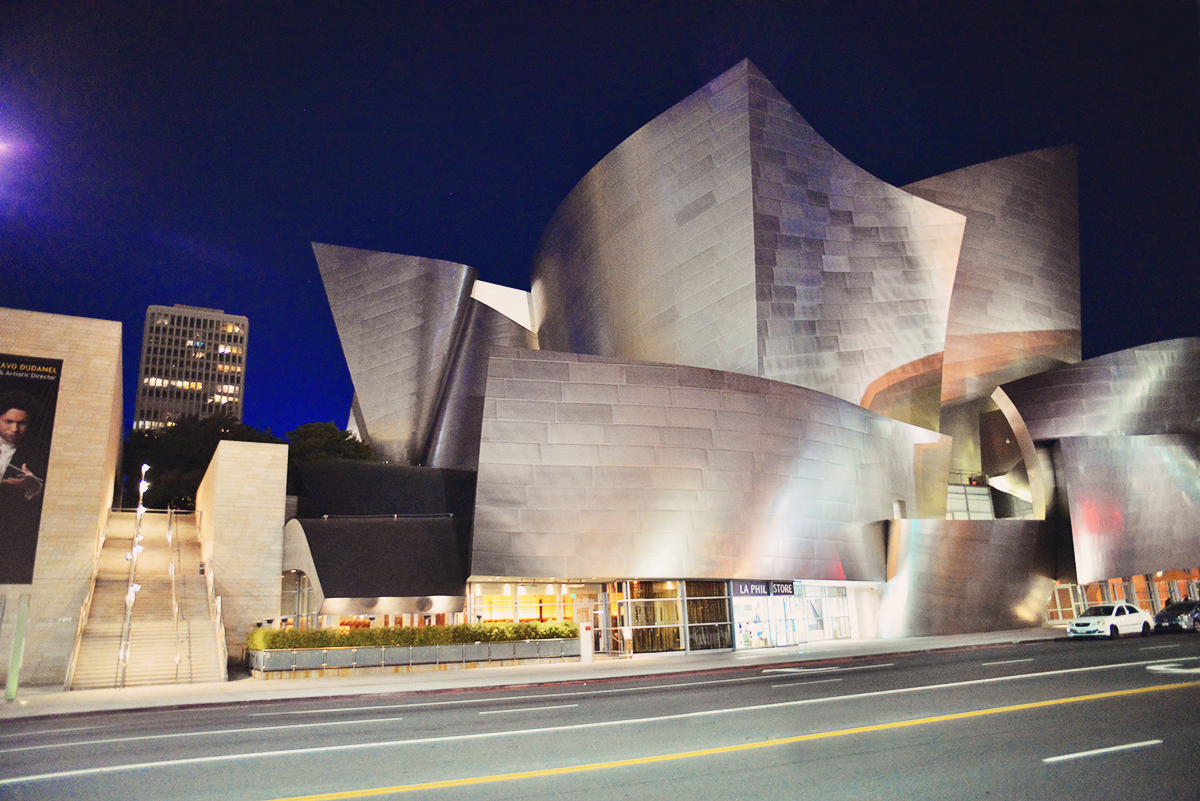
x=1111, y=620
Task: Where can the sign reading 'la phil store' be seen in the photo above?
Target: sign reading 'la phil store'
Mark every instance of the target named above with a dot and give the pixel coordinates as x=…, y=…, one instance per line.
x=762, y=588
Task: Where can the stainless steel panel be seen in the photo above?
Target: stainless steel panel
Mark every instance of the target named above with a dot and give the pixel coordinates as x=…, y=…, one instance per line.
x=854, y=276
x=1015, y=309
x=740, y=503
x=1135, y=503
x=727, y=234
x=962, y=576
x=454, y=438
x=651, y=256
x=398, y=319
x=1150, y=389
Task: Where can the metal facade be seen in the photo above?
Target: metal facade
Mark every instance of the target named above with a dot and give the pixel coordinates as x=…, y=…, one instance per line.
x=1015, y=309
x=454, y=440
x=1125, y=429
x=1135, y=503
x=593, y=467
x=853, y=275
x=728, y=234
x=1151, y=389
x=651, y=256
x=398, y=318
x=727, y=309
x=961, y=576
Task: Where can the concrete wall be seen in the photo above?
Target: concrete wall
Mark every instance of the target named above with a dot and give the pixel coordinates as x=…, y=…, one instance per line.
x=83, y=464
x=241, y=515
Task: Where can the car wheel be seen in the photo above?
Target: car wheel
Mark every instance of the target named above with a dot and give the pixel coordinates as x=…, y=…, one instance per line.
x=1196, y=624
x=1114, y=633
x=1145, y=629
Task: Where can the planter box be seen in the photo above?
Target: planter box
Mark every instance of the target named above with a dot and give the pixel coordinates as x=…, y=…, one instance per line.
x=311, y=662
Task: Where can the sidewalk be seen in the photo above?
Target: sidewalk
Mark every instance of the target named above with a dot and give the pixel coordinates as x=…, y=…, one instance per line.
x=52, y=700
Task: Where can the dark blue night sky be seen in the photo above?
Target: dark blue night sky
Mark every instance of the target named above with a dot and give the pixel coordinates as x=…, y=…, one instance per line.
x=190, y=152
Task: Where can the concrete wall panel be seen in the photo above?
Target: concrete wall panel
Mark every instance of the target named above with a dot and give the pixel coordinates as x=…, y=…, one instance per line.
x=85, y=447
x=241, y=508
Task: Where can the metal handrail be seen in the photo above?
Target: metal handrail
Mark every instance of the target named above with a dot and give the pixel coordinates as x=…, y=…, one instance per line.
x=173, y=569
x=215, y=614
x=132, y=587
x=85, y=609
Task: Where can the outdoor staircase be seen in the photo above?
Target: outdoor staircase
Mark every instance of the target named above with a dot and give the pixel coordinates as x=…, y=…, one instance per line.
x=154, y=636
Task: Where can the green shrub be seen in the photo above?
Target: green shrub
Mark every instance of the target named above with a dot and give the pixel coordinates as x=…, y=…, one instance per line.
x=267, y=639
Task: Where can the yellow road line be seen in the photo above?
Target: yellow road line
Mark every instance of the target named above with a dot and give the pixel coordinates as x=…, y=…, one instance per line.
x=731, y=749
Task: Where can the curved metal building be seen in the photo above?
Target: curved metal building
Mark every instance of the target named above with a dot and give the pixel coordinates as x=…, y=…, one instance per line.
x=728, y=234
x=745, y=360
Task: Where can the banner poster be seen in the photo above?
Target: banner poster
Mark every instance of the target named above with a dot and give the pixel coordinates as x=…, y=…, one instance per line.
x=28, y=399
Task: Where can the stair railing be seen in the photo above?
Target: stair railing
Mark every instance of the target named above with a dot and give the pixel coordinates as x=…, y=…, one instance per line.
x=214, y=613
x=172, y=568
x=85, y=609
x=132, y=586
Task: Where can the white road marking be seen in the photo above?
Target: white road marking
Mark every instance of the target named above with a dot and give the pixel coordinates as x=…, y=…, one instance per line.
x=802, y=683
x=1005, y=662
x=1095, y=752
x=461, y=701
x=807, y=671
x=1171, y=667
x=1158, y=647
x=32, y=732
x=525, y=709
x=177, y=735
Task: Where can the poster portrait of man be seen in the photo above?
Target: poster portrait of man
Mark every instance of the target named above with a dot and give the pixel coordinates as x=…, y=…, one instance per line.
x=28, y=400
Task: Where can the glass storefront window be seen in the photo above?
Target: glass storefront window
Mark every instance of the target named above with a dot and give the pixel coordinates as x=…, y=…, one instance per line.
x=708, y=615
x=646, y=615
x=813, y=612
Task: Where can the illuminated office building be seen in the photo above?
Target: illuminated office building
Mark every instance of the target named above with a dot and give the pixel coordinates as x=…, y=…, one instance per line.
x=193, y=365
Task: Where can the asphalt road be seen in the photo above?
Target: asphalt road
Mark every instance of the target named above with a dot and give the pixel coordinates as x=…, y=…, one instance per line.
x=1094, y=720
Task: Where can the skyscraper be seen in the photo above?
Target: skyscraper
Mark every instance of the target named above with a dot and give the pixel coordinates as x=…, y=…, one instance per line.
x=193, y=364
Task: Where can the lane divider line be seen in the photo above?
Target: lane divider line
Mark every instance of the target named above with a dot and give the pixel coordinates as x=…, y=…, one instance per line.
x=1098, y=751
x=525, y=709
x=176, y=735
x=1004, y=662
x=805, y=671
x=802, y=683
x=631, y=721
x=467, y=701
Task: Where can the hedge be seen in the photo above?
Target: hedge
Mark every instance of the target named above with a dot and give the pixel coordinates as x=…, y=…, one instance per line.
x=267, y=639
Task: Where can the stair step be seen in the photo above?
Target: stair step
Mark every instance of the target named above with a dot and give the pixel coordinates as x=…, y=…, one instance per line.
x=154, y=635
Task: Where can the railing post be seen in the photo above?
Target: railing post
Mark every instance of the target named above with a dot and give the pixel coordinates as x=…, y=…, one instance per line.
x=18, y=649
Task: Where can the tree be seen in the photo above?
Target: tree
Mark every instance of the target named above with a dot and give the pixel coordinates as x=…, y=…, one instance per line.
x=178, y=457
x=313, y=441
